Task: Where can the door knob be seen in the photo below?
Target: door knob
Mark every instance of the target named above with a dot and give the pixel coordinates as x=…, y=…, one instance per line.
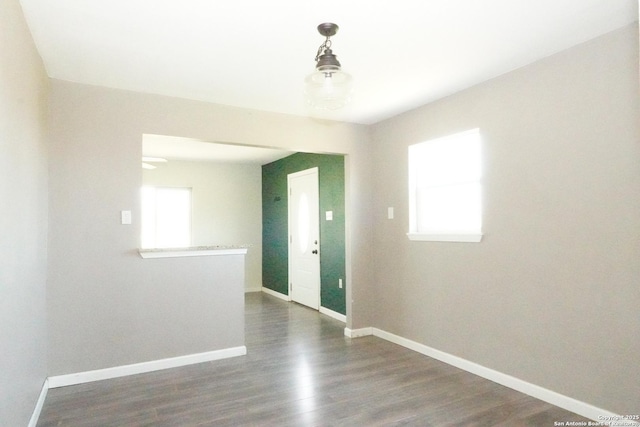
x=315, y=251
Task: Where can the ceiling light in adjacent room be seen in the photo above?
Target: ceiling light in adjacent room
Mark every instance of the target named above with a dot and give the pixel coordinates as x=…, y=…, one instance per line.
x=146, y=162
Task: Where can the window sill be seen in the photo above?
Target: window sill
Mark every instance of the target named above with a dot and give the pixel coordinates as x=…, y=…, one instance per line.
x=192, y=251
x=432, y=237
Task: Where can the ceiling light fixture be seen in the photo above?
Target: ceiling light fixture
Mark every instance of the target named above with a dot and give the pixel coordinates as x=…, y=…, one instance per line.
x=328, y=88
x=154, y=159
x=146, y=162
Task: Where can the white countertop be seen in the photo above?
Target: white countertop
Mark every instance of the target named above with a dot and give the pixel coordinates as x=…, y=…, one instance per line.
x=213, y=250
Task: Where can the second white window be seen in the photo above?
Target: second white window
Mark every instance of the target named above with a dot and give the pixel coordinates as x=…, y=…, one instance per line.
x=166, y=217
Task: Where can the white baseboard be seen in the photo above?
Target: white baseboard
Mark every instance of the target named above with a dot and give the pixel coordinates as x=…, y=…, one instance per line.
x=276, y=294
x=253, y=289
x=557, y=399
x=357, y=333
x=140, y=368
x=334, y=314
x=39, y=404
x=323, y=310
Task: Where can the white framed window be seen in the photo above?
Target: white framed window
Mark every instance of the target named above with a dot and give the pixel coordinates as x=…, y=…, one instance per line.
x=166, y=217
x=445, y=189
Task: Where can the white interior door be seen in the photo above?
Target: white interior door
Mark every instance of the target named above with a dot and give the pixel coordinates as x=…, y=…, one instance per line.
x=304, y=238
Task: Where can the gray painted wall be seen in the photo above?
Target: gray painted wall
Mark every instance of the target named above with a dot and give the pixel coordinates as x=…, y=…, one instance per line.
x=551, y=294
x=23, y=219
x=106, y=305
x=227, y=205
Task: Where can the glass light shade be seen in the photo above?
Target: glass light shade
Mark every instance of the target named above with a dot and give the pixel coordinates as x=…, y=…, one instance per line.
x=328, y=90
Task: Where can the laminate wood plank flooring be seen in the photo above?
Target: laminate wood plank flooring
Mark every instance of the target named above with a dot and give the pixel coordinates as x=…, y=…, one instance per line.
x=300, y=370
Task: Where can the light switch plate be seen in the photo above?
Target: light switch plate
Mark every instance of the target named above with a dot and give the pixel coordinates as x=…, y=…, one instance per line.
x=329, y=215
x=390, y=212
x=125, y=217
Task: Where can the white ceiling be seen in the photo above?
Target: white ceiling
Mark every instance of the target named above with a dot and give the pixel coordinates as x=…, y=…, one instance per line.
x=176, y=148
x=255, y=54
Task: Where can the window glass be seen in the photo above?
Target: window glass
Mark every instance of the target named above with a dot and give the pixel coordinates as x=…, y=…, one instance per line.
x=166, y=217
x=445, y=192
x=303, y=222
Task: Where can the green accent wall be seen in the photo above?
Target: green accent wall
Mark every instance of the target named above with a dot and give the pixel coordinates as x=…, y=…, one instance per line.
x=275, y=274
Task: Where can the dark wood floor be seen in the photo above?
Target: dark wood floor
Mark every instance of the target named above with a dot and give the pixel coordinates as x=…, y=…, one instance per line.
x=300, y=370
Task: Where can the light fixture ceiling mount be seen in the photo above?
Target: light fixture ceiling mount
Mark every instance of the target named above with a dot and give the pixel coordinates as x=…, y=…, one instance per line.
x=329, y=87
x=328, y=29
